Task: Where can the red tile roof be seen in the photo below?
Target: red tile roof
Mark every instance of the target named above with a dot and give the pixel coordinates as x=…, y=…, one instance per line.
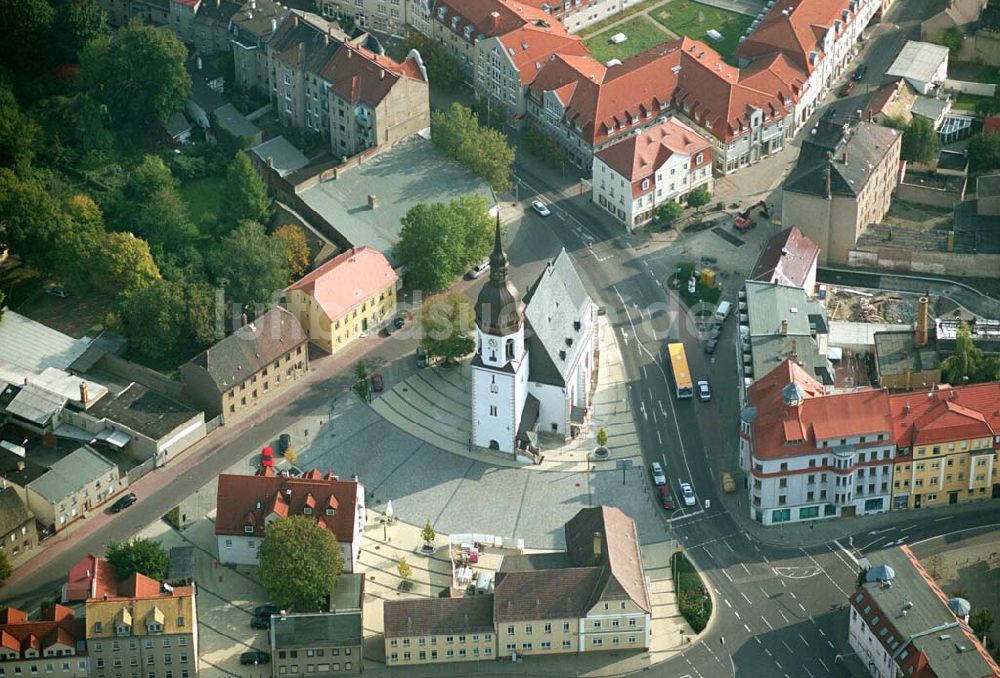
x=357, y=74
x=787, y=259
x=247, y=501
x=782, y=430
x=530, y=47
x=796, y=29
x=639, y=156
x=92, y=577
x=946, y=414
x=56, y=625
x=991, y=124
x=492, y=18
x=347, y=280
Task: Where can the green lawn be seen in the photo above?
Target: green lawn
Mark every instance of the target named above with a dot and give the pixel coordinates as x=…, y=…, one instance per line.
x=967, y=102
x=616, y=17
x=202, y=196
x=642, y=33
x=693, y=19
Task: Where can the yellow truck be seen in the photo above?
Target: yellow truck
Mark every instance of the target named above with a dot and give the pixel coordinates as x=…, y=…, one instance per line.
x=728, y=484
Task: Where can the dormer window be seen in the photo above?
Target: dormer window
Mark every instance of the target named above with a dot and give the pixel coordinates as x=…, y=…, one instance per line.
x=454, y=23
x=154, y=627
x=97, y=627
x=331, y=512
x=123, y=630
x=645, y=184
x=307, y=510
x=248, y=529
x=441, y=12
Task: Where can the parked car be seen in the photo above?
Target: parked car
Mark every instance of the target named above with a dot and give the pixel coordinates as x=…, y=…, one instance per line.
x=261, y=621
x=711, y=345
x=859, y=73
x=284, y=442
x=421, y=356
x=265, y=610
x=667, y=497
x=540, y=207
x=703, y=391
x=687, y=494
x=847, y=88
x=398, y=322
x=656, y=471
x=56, y=291
x=728, y=483
x=714, y=331
x=478, y=270
x=124, y=502
x=255, y=657
x=377, y=383
x=267, y=457
x=388, y=329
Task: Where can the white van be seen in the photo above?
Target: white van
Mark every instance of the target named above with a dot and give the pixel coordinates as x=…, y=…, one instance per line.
x=722, y=310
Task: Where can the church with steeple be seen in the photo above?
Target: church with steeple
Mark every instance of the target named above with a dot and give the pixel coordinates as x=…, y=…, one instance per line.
x=534, y=367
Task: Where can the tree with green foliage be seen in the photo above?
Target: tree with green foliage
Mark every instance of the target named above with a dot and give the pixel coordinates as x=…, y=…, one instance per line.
x=442, y=70
x=244, y=195
x=951, y=38
x=669, y=212
x=19, y=132
x=5, y=569
x=167, y=321
x=293, y=242
x=74, y=123
x=141, y=555
x=152, y=208
x=300, y=563
x=448, y=321
x=427, y=533
x=31, y=219
x=72, y=257
x=24, y=32
x=77, y=22
x=920, y=141
x=123, y=262
x=252, y=268
x=404, y=570
x=482, y=150
x=138, y=73
x=897, y=122
x=439, y=241
x=981, y=621
x=543, y=146
x=602, y=437
x=698, y=198
x=984, y=151
x=967, y=364
x=361, y=385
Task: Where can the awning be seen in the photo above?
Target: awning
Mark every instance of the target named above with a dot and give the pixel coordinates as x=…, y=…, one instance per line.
x=834, y=353
x=114, y=438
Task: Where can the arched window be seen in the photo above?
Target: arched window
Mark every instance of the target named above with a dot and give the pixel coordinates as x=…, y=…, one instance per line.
x=510, y=349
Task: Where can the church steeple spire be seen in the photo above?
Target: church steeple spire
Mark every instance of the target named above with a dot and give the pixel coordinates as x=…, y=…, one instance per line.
x=499, y=309
x=498, y=258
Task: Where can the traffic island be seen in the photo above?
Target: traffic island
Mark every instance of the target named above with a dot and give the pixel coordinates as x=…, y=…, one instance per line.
x=693, y=600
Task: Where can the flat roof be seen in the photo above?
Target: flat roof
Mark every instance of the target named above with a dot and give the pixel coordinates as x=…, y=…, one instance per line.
x=918, y=61
x=144, y=411
x=896, y=354
x=32, y=346
x=412, y=171
x=283, y=156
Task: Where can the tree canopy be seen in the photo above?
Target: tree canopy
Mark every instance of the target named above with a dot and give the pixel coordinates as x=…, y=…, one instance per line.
x=168, y=321
x=967, y=364
x=482, y=150
x=299, y=563
x=251, y=265
x=123, y=261
x=77, y=22
x=144, y=556
x=244, y=195
x=18, y=133
x=138, y=73
x=698, y=198
x=5, y=569
x=442, y=70
x=920, y=141
x=448, y=321
x=438, y=241
x=669, y=212
x=24, y=27
x=951, y=38
x=31, y=219
x=984, y=152
x=293, y=240
x=151, y=207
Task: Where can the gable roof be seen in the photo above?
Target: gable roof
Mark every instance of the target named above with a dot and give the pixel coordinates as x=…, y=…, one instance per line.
x=347, y=280
x=13, y=512
x=565, y=593
x=796, y=28
x=864, y=146
x=490, y=18
x=92, y=577
x=621, y=560
x=530, y=46
x=247, y=501
x=57, y=626
x=559, y=315
x=80, y=467
x=329, y=629
x=946, y=414
x=437, y=616
x=787, y=259
x=639, y=155
x=251, y=348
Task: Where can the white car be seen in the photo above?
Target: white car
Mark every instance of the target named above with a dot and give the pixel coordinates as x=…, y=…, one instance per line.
x=540, y=207
x=687, y=495
x=478, y=270
x=659, y=478
x=703, y=392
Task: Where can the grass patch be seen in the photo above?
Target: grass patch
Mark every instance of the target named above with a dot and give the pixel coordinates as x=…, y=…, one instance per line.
x=693, y=601
x=642, y=34
x=202, y=196
x=967, y=102
x=594, y=29
x=693, y=19
x=702, y=294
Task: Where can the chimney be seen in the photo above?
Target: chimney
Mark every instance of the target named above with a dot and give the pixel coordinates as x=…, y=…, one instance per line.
x=784, y=328
x=951, y=241
x=495, y=19
x=826, y=178
x=270, y=161
x=274, y=25
x=243, y=317
x=844, y=157
x=199, y=63
x=372, y=201
x=295, y=21
x=350, y=52
x=920, y=334
x=381, y=74
x=84, y=393
x=597, y=546
x=326, y=39
x=20, y=464
x=253, y=4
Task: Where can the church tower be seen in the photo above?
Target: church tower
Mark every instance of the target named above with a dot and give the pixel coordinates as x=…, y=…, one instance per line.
x=500, y=368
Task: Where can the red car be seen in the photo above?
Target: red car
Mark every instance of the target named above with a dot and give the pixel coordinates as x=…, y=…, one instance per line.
x=377, y=383
x=847, y=88
x=267, y=457
x=667, y=497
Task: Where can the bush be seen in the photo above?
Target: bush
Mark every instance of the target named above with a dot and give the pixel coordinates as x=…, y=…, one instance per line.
x=186, y=167
x=693, y=601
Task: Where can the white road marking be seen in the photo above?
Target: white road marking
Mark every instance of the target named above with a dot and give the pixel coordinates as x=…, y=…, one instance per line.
x=846, y=553
x=659, y=437
x=745, y=568
x=825, y=667
x=816, y=563
x=768, y=652
x=765, y=559
x=748, y=629
x=871, y=543
x=728, y=604
x=708, y=552
x=757, y=638
x=788, y=647
x=783, y=584
x=737, y=613
x=745, y=598
x=625, y=336
x=888, y=529
x=766, y=622
x=727, y=576
x=662, y=411
x=802, y=607
x=642, y=408
x=938, y=520
x=821, y=632
x=766, y=595
x=792, y=594
x=808, y=671
x=643, y=371
x=804, y=641
x=729, y=545
x=780, y=667
x=782, y=613
x=948, y=534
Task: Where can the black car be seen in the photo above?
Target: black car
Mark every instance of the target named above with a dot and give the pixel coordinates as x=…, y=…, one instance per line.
x=284, y=442
x=255, y=657
x=124, y=502
x=711, y=345
x=398, y=322
x=261, y=621
x=421, y=356
x=859, y=73
x=265, y=610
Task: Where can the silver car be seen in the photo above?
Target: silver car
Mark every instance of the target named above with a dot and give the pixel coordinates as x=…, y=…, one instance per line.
x=687, y=495
x=540, y=207
x=655, y=470
x=478, y=270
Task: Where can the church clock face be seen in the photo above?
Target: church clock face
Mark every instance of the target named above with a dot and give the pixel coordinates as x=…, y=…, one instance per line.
x=492, y=342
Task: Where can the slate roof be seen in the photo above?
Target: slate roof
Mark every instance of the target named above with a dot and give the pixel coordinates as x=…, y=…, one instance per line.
x=560, y=317
x=787, y=259
x=866, y=146
x=143, y=410
x=181, y=563
x=256, y=20
x=895, y=354
x=72, y=472
x=177, y=125
x=250, y=349
x=9, y=471
x=247, y=501
x=322, y=629
x=35, y=404
x=234, y=122
x=545, y=594
x=622, y=575
x=437, y=616
x=13, y=512
x=283, y=156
